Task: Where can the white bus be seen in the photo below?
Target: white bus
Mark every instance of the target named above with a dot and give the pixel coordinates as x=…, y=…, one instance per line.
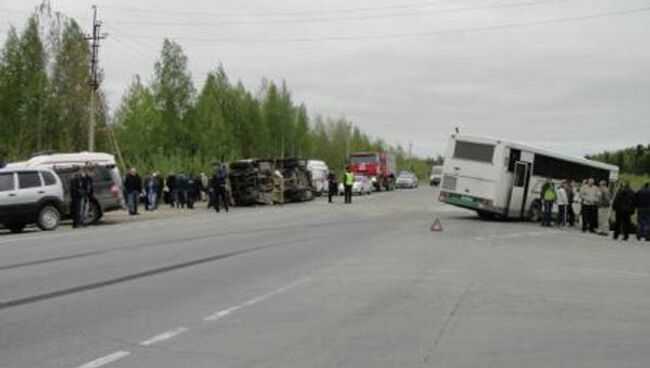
x=504, y=179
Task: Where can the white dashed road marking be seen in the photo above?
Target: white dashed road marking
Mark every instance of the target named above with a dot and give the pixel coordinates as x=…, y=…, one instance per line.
x=106, y=360
x=226, y=312
x=164, y=336
x=181, y=330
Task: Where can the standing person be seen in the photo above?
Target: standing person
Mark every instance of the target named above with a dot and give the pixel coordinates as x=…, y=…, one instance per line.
x=570, y=194
x=331, y=186
x=181, y=191
x=151, y=187
x=88, y=192
x=548, y=197
x=348, y=181
x=205, y=182
x=562, y=204
x=623, y=209
x=190, y=191
x=219, y=179
x=590, y=198
x=604, y=202
x=173, y=191
x=76, y=196
x=133, y=188
x=642, y=204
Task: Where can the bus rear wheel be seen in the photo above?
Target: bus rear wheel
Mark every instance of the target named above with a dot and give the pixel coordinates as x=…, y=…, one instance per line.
x=535, y=212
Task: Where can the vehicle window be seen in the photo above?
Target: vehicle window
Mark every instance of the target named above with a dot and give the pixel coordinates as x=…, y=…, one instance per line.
x=29, y=179
x=100, y=173
x=363, y=159
x=6, y=182
x=474, y=151
x=48, y=178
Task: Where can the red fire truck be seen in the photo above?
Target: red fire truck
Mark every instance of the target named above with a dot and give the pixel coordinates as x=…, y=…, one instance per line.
x=378, y=166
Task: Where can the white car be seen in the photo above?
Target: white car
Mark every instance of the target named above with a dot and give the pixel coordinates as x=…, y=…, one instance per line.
x=362, y=185
x=28, y=196
x=406, y=180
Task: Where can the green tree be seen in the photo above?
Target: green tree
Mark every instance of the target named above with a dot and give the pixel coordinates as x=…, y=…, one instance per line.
x=71, y=91
x=174, y=92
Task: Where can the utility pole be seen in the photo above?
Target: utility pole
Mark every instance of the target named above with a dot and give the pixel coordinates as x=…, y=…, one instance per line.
x=410, y=155
x=94, y=80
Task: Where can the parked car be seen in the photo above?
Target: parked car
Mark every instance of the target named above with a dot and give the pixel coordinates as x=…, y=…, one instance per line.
x=30, y=196
x=107, y=190
x=406, y=179
x=362, y=185
x=436, y=175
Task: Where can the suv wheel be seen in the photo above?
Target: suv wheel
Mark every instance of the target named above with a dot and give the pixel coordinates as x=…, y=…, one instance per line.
x=16, y=228
x=93, y=215
x=48, y=218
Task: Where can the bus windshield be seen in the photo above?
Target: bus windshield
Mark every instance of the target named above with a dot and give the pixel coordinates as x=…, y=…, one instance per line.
x=474, y=151
x=359, y=159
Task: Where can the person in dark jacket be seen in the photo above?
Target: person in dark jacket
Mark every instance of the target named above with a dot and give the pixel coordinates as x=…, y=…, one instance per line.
x=76, y=197
x=133, y=189
x=219, y=178
x=642, y=204
x=173, y=191
x=181, y=198
x=88, y=192
x=624, y=208
x=332, y=186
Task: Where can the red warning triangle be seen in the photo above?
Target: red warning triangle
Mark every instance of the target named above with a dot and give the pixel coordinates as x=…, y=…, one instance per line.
x=436, y=225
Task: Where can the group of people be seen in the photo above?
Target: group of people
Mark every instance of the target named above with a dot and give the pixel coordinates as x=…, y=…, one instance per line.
x=179, y=191
x=596, y=203
x=332, y=186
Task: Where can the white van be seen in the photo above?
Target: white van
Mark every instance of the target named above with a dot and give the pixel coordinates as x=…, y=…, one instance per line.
x=319, y=172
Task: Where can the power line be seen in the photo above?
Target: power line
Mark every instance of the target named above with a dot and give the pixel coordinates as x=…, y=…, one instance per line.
x=338, y=19
x=222, y=14
x=564, y=20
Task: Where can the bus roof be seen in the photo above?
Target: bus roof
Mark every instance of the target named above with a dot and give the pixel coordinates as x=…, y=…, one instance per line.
x=524, y=147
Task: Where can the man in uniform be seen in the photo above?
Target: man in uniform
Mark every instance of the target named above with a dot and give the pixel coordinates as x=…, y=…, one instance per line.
x=348, y=181
x=548, y=196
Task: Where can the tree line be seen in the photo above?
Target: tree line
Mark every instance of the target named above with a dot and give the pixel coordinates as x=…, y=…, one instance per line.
x=632, y=160
x=166, y=125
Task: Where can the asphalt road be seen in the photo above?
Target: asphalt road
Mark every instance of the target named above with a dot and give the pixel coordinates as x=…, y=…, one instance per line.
x=318, y=285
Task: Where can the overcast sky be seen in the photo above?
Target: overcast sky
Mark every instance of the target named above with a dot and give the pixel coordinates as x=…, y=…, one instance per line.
x=568, y=75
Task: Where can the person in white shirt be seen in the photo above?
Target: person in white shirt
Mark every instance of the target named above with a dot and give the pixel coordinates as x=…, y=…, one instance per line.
x=562, y=204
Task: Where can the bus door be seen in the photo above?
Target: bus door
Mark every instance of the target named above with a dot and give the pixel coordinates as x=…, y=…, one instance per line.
x=519, y=190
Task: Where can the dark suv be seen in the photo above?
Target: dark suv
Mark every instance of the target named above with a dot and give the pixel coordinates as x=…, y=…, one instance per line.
x=107, y=192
